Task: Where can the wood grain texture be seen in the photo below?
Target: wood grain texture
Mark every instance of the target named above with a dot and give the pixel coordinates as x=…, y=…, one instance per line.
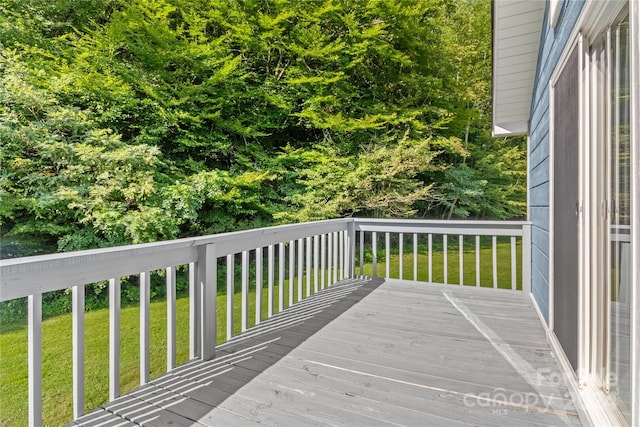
x=369, y=352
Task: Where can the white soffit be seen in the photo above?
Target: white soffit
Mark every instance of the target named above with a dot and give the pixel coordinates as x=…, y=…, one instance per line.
x=517, y=26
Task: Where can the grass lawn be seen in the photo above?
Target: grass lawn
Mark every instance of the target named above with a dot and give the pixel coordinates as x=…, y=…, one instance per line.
x=57, y=356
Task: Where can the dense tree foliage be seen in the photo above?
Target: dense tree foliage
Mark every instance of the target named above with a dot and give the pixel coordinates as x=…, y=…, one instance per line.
x=133, y=121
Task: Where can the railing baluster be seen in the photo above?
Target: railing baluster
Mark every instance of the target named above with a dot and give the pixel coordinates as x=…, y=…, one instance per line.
x=350, y=237
x=444, y=251
x=323, y=260
x=171, y=317
x=315, y=263
x=35, y=359
x=258, y=285
x=280, y=277
x=387, y=252
x=114, y=338
x=461, y=251
x=374, y=253
x=308, y=262
x=415, y=257
x=270, y=281
x=230, y=294
x=337, y=251
x=337, y=245
x=347, y=251
x=330, y=262
x=194, y=312
x=340, y=255
x=336, y=261
x=77, y=296
x=330, y=258
x=292, y=269
x=334, y=258
x=361, y=253
x=401, y=255
x=495, y=261
x=145, y=289
x=300, y=268
x=513, y=263
x=478, y=261
x=244, y=321
x=342, y=252
x=430, y=257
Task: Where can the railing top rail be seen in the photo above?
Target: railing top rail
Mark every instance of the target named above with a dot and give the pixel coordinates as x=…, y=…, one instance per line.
x=25, y=276
x=468, y=227
x=173, y=244
x=456, y=222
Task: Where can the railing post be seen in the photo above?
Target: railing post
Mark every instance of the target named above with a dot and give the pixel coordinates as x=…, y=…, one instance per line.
x=114, y=338
x=78, y=350
x=145, y=331
x=35, y=359
x=207, y=281
x=171, y=317
x=526, y=258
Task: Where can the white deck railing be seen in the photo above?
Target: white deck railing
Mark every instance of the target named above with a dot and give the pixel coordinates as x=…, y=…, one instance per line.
x=460, y=230
x=311, y=255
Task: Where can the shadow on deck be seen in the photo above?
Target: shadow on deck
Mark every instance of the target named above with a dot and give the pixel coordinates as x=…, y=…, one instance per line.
x=368, y=352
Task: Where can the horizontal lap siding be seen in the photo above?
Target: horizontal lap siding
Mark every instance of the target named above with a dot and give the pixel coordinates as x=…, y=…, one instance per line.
x=552, y=43
x=539, y=174
x=540, y=154
x=539, y=195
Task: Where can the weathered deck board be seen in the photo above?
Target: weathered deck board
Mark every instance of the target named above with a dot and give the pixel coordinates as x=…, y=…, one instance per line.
x=369, y=353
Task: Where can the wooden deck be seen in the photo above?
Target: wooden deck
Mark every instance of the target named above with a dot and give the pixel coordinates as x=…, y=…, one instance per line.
x=368, y=352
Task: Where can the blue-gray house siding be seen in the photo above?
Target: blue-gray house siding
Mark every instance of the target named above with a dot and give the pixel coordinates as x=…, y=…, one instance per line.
x=552, y=43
